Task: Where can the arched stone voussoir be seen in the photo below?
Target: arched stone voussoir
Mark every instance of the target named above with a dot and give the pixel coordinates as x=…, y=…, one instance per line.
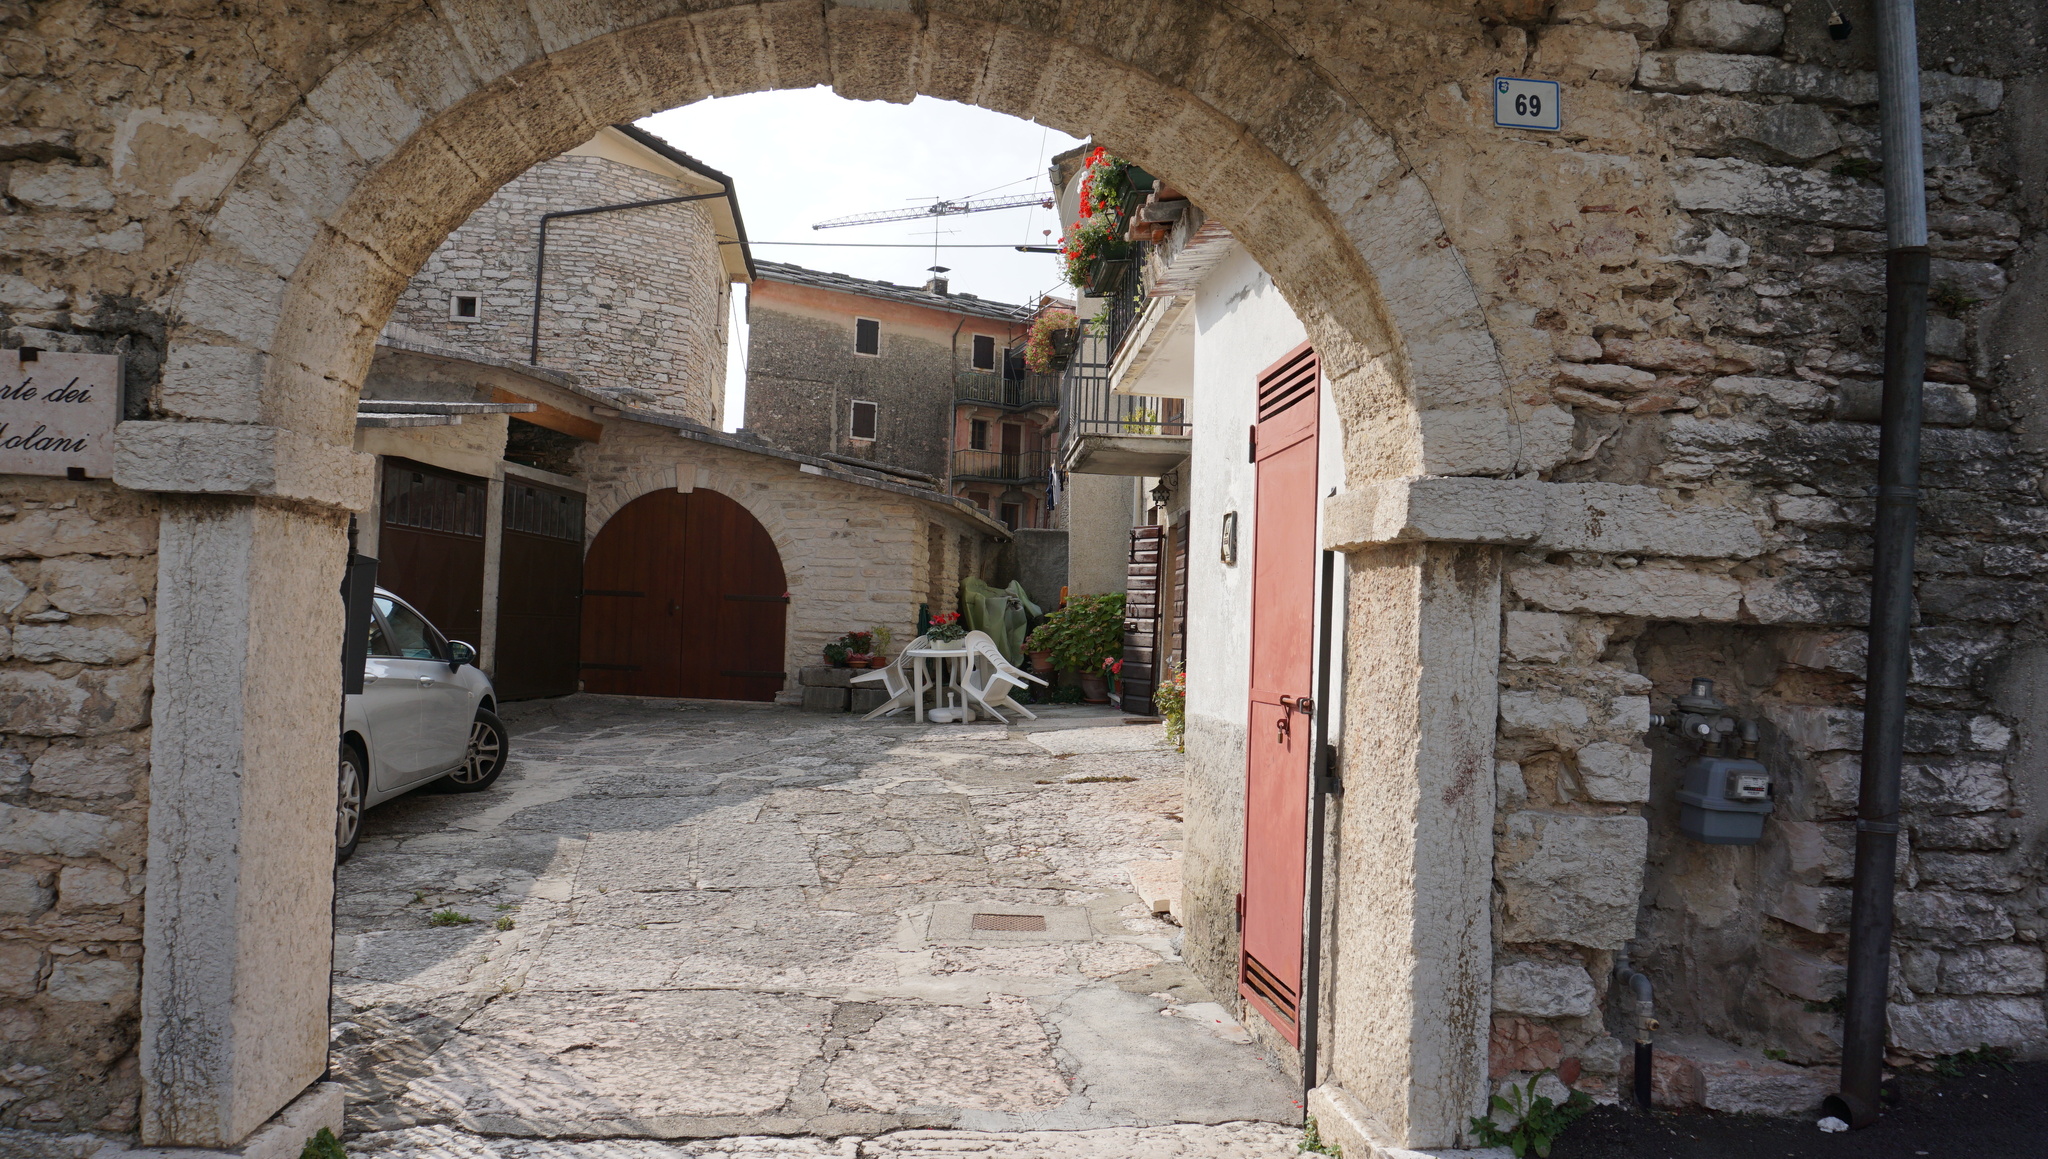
x=748, y=49
x=1313, y=190
x=876, y=55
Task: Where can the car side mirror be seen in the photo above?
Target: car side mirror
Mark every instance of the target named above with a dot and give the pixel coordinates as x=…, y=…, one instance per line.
x=459, y=654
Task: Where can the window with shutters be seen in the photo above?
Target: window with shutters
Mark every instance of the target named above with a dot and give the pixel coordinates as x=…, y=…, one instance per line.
x=977, y=434
x=867, y=336
x=864, y=416
x=984, y=352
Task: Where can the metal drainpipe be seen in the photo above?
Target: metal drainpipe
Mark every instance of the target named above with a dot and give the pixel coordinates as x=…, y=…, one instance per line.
x=1891, y=596
x=540, y=255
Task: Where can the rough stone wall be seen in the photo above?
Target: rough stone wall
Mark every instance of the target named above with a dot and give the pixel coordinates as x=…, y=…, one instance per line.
x=77, y=590
x=803, y=376
x=633, y=302
x=1730, y=358
x=854, y=555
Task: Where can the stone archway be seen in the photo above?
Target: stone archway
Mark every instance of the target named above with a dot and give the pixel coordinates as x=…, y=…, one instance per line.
x=415, y=127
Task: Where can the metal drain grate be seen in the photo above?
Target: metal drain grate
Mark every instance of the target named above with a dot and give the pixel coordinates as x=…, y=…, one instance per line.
x=1011, y=923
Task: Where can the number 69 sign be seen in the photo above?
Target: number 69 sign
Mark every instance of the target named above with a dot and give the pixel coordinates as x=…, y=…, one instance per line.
x=1527, y=104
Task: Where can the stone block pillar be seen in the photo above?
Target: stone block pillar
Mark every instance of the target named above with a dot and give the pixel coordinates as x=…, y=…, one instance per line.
x=238, y=931
x=1408, y=962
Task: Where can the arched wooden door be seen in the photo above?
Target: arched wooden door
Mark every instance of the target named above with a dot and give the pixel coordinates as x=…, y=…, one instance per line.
x=684, y=595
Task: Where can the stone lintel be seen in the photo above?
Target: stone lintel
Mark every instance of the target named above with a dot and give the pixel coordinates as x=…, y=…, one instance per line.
x=1596, y=517
x=240, y=459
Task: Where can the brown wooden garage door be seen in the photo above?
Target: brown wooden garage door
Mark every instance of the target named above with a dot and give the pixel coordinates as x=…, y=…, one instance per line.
x=684, y=595
x=540, y=592
x=430, y=545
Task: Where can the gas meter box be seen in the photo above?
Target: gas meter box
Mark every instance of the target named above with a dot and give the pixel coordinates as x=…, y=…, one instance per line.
x=1724, y=800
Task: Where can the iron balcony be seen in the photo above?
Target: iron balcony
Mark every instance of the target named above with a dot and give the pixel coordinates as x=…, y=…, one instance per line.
x=989, y=389
x=1002, y=467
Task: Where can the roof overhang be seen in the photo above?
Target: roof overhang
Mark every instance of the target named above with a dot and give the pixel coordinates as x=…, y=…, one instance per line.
x=629, y=145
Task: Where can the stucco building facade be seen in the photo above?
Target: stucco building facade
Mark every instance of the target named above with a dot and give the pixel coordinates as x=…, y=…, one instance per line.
x=1602, y=396
x=922, y=379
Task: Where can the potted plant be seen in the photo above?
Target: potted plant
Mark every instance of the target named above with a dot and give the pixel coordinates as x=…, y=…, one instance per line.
x=836, y=654
x=1097, y=238
x=946, y=628
x=1088, y=631
x=1040, y=644
x=859, y=660
x=1171, y=699
x=879, y=657
x=1051, y=343
x=1113, y=671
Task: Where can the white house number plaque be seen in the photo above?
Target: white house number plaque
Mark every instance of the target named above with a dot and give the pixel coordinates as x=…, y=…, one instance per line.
x=57, y=413
x=1519, y=103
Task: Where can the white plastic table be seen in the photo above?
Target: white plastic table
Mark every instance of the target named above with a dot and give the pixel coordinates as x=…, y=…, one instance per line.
x=952, y=663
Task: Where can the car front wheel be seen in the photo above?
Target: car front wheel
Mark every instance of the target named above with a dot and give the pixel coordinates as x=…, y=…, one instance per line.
x=485, y=757
x=350, y=792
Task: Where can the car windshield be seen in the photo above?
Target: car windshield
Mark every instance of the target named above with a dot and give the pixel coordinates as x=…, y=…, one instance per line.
x=408, y=635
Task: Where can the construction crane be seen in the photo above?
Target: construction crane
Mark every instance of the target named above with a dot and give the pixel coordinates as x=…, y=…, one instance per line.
x=942, y=209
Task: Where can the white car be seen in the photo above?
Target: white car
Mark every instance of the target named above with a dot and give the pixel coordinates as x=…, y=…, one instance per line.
x=425, y=714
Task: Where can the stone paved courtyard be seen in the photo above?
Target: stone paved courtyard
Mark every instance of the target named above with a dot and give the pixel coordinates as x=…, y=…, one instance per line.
x=710, y=929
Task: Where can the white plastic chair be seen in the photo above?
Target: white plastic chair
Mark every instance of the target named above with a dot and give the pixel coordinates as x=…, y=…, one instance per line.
x=897, y=679
x=991, y=678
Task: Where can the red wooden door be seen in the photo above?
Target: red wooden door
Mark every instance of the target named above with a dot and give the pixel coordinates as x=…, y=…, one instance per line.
x=683, y=595
x=1280, y=740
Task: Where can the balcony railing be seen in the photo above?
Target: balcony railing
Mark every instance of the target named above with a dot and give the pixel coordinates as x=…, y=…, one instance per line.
x=1002, y=466
x=1087, y=404
x=1089, y=407
x=1013, y=393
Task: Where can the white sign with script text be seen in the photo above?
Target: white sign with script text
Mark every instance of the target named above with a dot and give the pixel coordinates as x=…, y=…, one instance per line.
x=57, y=413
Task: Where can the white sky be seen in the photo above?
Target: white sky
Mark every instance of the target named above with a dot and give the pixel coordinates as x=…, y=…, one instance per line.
x=802, y=156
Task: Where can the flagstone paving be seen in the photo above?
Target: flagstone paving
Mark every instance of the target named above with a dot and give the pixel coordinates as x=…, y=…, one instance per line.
x=707, y=929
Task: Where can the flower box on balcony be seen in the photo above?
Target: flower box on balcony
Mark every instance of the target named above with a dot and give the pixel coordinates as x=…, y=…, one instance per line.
x=1108, y=273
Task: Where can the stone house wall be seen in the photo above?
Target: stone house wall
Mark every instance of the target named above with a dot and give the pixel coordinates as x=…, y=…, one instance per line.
x=634, y=302
x=855, y=554
x=855, y=547
x=1737, y=366
x=803, y=373
x=77, y=593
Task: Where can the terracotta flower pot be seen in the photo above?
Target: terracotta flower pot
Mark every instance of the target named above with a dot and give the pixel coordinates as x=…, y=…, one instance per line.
x=856, y=661
x=1041, y=661
x=1094, y=689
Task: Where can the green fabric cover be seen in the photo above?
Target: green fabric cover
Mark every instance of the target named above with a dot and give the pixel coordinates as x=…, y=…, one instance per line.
x=1004, y=613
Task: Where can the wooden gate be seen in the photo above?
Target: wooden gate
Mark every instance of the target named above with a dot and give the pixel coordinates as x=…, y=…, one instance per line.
x=540, y=592
x=1281, y=735
x=1142, y=607
x=684, y=595
x=430, y=544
